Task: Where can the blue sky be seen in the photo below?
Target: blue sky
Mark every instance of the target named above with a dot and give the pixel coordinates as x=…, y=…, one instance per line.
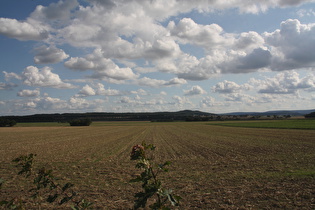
x=63, y=56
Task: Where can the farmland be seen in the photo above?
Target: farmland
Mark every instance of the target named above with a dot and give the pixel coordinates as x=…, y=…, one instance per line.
x=283, y=124
x=212, y=166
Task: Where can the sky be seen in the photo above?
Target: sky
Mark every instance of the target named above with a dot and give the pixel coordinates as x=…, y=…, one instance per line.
x=70, y=56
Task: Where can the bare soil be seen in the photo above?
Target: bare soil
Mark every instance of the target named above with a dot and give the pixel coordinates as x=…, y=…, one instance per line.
x=213, y=167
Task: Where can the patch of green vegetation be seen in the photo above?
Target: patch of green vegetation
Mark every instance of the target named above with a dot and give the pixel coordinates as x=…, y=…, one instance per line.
x=42, y=124
x=120, y=123
x=282, y=124
x=302, y=173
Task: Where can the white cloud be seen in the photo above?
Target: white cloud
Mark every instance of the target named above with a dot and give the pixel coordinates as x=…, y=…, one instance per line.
x=288, y=82
x=162, y=48
x=49, y=54
x=292, y=46
x=239, y=97
x=249, y=39
x=181, y=100
x=81, y=64
x=190, y=68
x=175, y=81
x=145, y=81
x=11, y=75
x=163, y=93
x=21, y=30
x=140, y=92
x=103, y=68
x=7, y=86
x=100, y=90
x=195, y=90
x=207, y=102
x=33, y=76
x=78, y=103
x=60, y=10
x=50, y=103
x=305, y=12
x=138, y=104
x=126, y=100
x=87, y=91
x=29, y=93
x=227, y=87
x=208, y=36
x=137, y=97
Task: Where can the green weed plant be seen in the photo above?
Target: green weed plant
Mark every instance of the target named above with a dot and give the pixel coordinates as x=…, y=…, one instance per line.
x=46, y=188
x=151, y=184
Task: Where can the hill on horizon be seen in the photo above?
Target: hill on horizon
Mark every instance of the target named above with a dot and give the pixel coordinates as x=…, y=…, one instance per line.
x=277, y=112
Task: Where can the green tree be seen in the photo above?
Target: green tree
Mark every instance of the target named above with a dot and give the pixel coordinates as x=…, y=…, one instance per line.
x=6, y=122
x=80, y=122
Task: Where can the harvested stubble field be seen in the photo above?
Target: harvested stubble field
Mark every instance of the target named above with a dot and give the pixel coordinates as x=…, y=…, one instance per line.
x=213, y=167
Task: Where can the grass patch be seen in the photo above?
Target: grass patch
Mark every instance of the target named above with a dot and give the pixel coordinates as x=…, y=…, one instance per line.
x=278, y=124
x=95, y=123
x=302, y=173
x=42, y=124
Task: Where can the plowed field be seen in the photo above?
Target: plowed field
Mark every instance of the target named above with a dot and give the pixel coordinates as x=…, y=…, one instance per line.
x=213, y=167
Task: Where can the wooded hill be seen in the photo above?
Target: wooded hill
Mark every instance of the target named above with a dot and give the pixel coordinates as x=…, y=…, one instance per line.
x=185, y=115
x=105, y=116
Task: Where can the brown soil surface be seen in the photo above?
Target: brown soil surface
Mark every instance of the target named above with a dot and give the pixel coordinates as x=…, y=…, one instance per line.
x=213, y=167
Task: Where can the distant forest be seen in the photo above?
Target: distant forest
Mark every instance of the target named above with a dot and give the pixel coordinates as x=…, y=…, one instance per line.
x=185, y=115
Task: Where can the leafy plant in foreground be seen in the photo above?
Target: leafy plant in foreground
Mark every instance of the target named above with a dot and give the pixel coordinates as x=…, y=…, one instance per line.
x=45, y=189
x=151, y=185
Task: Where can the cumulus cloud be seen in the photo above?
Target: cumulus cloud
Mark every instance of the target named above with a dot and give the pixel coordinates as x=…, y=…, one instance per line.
x=227, y=87
x=51, y=54
x=137, y=104
x=7, y=86
x=175, y=81
x=87, y=91
x=49, y=104
x=126, y=100
x=288, y=82
x=98, y=89
x=195, y=90
x=21, y=30
x=249, y=39
x=60, y=10
x=102, y=67
x=207, y=102
x=239, y=97
x=305, y=12
x=208, y=36
x=190, y=68
x=292, y=46
x=11, y=75
x=41, y=104
x=80, y=64
x=44, y=77
x=29, y=93
x=78, y=103
x=146, y=81
x=181, y=100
